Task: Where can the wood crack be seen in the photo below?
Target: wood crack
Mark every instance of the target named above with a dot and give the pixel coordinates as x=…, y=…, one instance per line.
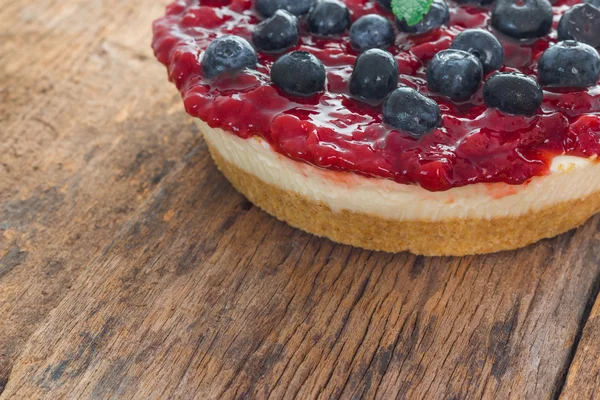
x=591, y=300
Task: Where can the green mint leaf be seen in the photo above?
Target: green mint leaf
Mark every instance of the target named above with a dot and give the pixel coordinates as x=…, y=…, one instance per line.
x=412, y=11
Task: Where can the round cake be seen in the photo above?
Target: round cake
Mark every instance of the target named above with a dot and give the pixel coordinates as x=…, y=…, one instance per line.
x=435, y=127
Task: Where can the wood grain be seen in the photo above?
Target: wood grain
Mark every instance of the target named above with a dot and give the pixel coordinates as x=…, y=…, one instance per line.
x=130, y=268
x=89, y=127
x=583, y=379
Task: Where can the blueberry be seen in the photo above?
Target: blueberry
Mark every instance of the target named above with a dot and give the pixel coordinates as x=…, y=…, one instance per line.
x=513, y=93
x=483, y=45
x=455, y=74
x=298, y=73
x=476, y=2
x=276, y=34
x=582, y=23
x=438, y=15
x=328, y=17
x=375, y=74
x=409, y=110
x=595, y=3
x=267, y=8
x=371, y=31
x=228, y=54
x=569, y=64
x=522, y=19
x=387, y=4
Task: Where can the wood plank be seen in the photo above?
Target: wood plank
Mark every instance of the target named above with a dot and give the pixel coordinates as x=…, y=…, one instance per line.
x=203, y=295
x=583, y=379
x=199, y=293
x=89, y=127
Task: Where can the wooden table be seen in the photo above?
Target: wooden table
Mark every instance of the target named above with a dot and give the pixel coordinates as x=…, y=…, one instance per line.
x=130, y=268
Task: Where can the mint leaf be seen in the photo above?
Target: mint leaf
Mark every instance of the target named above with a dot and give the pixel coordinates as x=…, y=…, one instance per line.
x=412, y=11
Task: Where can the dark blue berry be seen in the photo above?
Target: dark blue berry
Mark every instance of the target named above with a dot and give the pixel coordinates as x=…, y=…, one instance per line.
x=522, y=19
x=276, y=34
x=228, y=54
x=298, y=73
x=582, y=23
x=476, y=2
x=569, y=64
x=483, y=45
x=409, y=110
x=438, y=15
x=455, y=74
x=595, y=3
x=513, y=93
x=266, y=8
x=329, y=17
x=375, y=74
x=387, y=4
x=371, y=31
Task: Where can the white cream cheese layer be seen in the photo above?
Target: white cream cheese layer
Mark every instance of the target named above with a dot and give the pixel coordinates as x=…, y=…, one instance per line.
x=571, y=178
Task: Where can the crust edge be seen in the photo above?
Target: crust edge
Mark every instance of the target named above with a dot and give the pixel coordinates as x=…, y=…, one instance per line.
x=453, y=237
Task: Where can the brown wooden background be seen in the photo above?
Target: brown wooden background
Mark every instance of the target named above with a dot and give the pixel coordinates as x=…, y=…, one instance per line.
x=130, y=268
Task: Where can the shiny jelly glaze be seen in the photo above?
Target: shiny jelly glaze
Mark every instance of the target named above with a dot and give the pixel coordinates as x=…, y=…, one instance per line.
x=332, y=130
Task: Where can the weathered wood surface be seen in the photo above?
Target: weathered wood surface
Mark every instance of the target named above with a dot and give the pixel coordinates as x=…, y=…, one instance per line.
x=130, y=268
x=88, y=128
x=583, y=380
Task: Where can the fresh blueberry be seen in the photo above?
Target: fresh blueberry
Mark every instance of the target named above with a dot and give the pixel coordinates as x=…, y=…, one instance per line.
x=582, y=23
x=228, y=54
x=409, y=110
x=476, y=2
x=267, y=8
x=387, y=4
x=298, y=73
x=438, y=15
x=522, y=19
x=276, y=34
x=595, y=3
x=513, y=93
x=455, y=74
x=375, y=74
x=328, y=17
x=371, y=31
x=569, y=64
x=483, y=45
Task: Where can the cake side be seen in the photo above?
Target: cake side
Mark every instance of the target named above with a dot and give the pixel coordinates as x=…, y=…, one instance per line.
x=571, y=178
x=443, y=236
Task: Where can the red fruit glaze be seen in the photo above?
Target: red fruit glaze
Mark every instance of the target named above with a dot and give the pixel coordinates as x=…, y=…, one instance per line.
x=331, y=130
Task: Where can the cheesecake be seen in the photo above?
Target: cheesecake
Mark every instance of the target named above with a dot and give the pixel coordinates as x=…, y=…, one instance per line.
x=467, y=132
